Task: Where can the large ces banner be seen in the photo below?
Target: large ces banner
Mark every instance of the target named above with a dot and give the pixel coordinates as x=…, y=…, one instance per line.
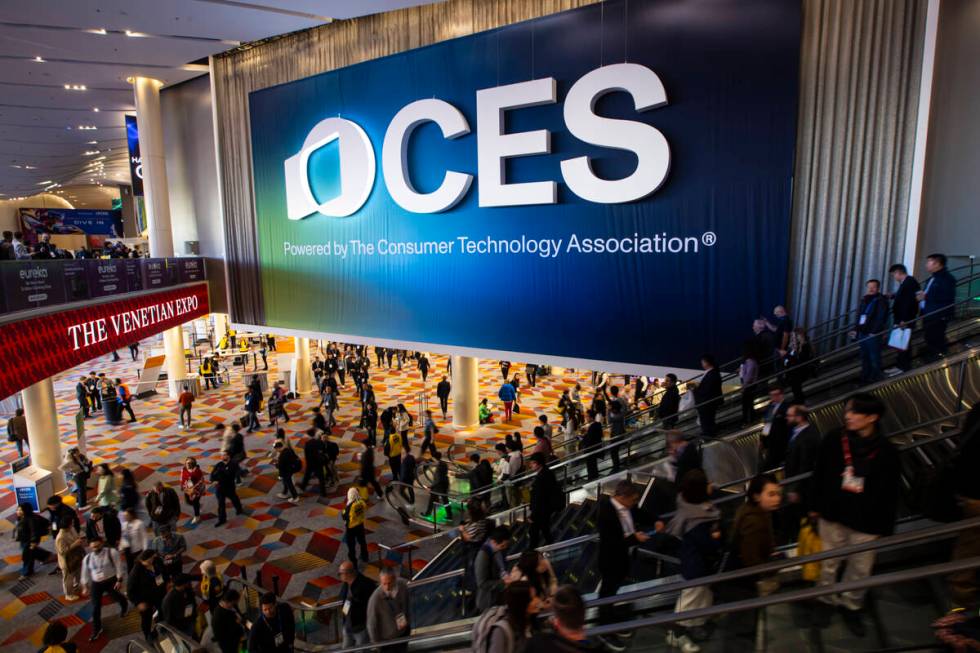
x=608, y=186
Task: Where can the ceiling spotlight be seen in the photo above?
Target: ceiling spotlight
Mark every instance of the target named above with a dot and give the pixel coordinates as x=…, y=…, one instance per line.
x=92, y=143
x=95, y=109
x=44, y=183
x=90, y=152
x=39, y=60
x=76, y=87
x=134, y=34
x=14, y=165
x=100, y=31
x=87, y=127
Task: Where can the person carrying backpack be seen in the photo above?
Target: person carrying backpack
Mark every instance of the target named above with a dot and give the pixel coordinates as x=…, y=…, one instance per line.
x=505, y=628
x=125, y=398
x=695, y=524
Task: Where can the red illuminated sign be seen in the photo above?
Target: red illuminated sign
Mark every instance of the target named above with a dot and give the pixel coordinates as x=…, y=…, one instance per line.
x=34, y=349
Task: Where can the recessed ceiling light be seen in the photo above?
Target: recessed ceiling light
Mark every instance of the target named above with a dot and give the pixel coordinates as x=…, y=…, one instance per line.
x=76, y=87
x=134, y=34
x=100, y=31
x=87, y=127
x=44, y=183
x=90, y=152
x=26, y=167
x=39, y=60
x=92, y=143
x=95, y=109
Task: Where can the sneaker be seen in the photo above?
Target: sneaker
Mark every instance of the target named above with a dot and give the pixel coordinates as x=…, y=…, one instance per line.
x=71, y=597
x=612, y=643
x=196, y=520
x=294, y=500
x=282, y=495
x=683, y=642
x=95, y=635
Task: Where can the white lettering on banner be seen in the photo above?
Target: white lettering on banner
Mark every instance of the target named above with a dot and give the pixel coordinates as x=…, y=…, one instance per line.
x=86, y=334
x=648, y=143
x=394, y=157
x=494, y=146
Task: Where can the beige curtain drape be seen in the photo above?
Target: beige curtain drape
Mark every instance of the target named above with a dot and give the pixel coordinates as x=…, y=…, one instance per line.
x=859, y=88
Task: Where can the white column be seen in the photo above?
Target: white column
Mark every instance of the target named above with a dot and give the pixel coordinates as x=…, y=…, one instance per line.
x=304, y=373
x=176, y=363
x=466, y=392
x=220, y=326
x=43, y=437
x=157, y=200
x=155, y=188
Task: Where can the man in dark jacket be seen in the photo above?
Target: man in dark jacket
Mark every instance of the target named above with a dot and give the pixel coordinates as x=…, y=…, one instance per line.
x=145, y=587
x=670, y=401
x=546, y=499
x=355, y=593
x=872, y=319
x=28, y=531
x=81, y=395
x=775, y=430
x=855, y=495
x=275, y=629
x=314, y=452
x=62, y=516
x=936, y=301
x=440, y=487
x=226, y=623
x=707, y=396
x=104, y=523
x=163, y=507
x=905, y=308
x=287, y=464
x=618, y=522
x=223, y=478
x=443, y=388
x=481, y=476
x=179, y=607
x=407, y=475
x=801, y=457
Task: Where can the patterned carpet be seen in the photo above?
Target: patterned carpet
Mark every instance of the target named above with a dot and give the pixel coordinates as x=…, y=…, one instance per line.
x=301, y=544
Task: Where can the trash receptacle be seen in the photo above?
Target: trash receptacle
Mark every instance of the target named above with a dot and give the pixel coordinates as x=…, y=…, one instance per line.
x=112, y=410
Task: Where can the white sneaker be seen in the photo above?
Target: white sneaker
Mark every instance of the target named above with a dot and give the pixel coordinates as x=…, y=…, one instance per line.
x=196, y=520
x=294, y=500
x=683, y=642
x=282, y=495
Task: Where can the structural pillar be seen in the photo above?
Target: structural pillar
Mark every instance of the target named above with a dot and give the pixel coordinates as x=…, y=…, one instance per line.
x=220, y=326
x=43, y=437
x=156, y=198
x=466, y=392
x=304, y=371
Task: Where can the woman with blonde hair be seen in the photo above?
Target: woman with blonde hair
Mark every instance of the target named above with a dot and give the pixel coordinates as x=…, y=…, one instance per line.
x=354, y=514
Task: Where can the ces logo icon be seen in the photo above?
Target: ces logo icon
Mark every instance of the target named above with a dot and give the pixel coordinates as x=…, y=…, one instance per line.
x=356, y=166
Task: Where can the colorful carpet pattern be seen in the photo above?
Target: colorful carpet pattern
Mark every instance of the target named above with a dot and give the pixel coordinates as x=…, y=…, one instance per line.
x=300, y=544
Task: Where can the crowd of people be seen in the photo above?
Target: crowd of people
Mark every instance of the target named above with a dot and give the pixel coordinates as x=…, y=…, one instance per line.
x=842, y=484
x=13, y=247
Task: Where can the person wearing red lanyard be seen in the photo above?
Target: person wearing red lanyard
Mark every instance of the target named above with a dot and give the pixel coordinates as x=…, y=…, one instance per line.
x=275, y=630
x=855, y=495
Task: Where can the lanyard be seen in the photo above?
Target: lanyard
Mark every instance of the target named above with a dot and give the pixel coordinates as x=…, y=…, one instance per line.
x=870, y=306
x=846, y=446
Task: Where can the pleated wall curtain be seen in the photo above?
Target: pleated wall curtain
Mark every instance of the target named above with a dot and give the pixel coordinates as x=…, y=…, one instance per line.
x=859, y=90
x=858, y=99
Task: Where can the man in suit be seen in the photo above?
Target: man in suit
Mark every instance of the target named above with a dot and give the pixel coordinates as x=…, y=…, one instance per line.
x=936, y=301
x=546, y=499
x=775, y=430
x=872, y=318
x=669, y=401
x=81, y=395
x=905, y=308
x=707, y=396
x=591, y=441
x=619, y=521
x=801, y=457
x=443, y=388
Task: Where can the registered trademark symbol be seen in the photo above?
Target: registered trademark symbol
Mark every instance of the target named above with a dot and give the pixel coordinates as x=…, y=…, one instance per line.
x=709, y=238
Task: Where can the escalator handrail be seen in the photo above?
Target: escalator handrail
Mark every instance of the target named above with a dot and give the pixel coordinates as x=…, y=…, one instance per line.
x=904, y=447
x=183, y=638
x=720, y=609
x=963, y=357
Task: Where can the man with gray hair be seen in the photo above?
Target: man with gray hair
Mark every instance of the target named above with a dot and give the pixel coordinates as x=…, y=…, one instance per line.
x=389, y=615
x=355, y=594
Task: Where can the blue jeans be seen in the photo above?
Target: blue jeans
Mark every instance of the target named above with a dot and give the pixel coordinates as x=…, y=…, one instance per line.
x=27, y=559
x=870, y=358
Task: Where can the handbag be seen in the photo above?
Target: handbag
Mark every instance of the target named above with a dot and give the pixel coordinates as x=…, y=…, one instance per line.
x=517, y=408
x=809, y=543
x=899, y=338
